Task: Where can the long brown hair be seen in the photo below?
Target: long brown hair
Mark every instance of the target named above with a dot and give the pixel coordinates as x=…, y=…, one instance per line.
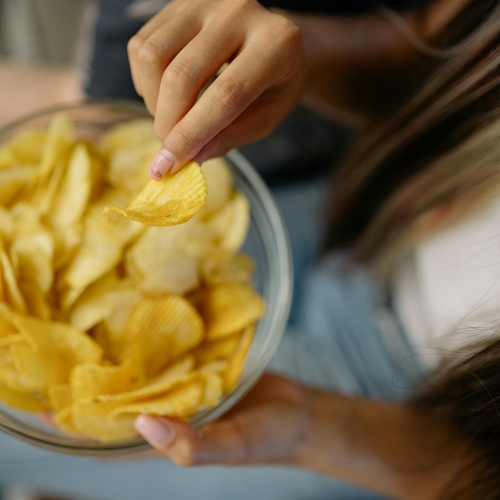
x=426, y=165
x=421, y=170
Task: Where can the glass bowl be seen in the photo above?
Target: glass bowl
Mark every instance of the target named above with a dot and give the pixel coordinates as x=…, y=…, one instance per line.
x=267, y=243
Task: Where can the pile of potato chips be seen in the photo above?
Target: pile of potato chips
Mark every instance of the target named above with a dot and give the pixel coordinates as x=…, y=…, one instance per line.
x=102, y=320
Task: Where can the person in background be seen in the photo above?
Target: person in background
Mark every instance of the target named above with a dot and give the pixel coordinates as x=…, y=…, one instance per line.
x=403, y=308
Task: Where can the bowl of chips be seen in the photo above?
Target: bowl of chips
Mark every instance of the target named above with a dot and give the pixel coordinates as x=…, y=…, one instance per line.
x=120, y=295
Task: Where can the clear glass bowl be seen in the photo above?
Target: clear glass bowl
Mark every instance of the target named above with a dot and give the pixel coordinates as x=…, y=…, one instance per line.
x=267, y=243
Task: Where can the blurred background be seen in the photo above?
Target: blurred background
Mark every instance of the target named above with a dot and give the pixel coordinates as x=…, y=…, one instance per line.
x=40, y=31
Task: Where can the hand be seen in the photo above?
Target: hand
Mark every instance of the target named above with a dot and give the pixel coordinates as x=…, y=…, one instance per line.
x=175, y=55
x=269, y=425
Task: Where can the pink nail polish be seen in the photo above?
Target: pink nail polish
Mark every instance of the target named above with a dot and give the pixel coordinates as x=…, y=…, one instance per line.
x=155, y=432
x=162, y=164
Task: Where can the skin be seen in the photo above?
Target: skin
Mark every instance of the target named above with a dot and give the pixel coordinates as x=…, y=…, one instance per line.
x=391, y=449
x=349, y=68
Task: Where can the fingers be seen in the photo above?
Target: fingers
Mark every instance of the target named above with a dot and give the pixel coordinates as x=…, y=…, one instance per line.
x=245, y=79
x=149, y=56
x=188, y=73
x=254, y=124
x=219, y=443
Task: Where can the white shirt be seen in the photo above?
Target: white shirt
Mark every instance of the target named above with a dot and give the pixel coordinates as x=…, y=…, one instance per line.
x=447, y=291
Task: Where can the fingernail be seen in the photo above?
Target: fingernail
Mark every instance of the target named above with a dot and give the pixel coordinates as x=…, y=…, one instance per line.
x=155, y=432
x=161, y=164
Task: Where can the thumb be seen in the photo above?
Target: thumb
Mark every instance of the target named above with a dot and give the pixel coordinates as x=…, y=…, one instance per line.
x=217, y=443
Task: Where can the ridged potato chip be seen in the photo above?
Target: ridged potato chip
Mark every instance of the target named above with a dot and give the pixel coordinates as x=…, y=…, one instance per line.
x=90, y=419
x=222, y=266
x=60, y=397
x=100, y=322
x=177, y=373
x=93, y=305
x=12, y=183
x=216, y=350
x=231, y=222
x=21, y=401
x=236, y=362
x=170, y=201
x=180, y=402
x=229, y=308
x=10, y=289
x=24, y=149
x=89, y=380
x=161, y=329
x=73, y=193
x=219, y=180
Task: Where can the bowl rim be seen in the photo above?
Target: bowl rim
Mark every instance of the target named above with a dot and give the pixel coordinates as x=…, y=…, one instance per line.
x=285, y=271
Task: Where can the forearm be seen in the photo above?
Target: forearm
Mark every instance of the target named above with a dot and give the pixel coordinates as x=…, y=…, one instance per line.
x=25, y=89
x=388, y=448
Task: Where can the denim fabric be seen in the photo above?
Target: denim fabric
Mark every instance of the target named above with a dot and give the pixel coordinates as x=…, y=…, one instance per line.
x=346, y=322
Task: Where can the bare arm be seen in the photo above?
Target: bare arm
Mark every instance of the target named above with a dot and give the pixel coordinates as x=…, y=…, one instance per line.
x=388, y=448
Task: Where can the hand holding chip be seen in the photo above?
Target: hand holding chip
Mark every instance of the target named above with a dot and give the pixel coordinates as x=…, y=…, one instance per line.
x=269, y=426
x=181, y=49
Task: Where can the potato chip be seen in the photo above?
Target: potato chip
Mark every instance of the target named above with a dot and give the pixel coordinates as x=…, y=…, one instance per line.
x=216, y=350
x=11, y=291
x=112, y=333
x=57, y=348
x=218, y=366
x=94, y=324
x=60, y=397
x=64, y=420
x=8, y=340
x=91, y=419
x=128, y=167
x=228, y=308
x=161, y=329
x=15, y=381
x=219, y=180
x=92, y=306
x=12, y=183
x=21, y=401
x=70, y=200
x=101, y=249
x=177, y=373
x=170, y=201
x=7, y=326
x=6, y=224
x=236, y=362
x=167, y=259
x=24, y=149
x=42, y=368
x=89, y=380
x=32, y=254
x=213, y=390
x=37, y=303
x=180, y=402
x=133, y=134
x=231, y=223
x=60, y=139
x=223, y=266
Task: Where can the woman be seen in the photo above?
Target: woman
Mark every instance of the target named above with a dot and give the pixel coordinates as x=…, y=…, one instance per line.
x=405, y=202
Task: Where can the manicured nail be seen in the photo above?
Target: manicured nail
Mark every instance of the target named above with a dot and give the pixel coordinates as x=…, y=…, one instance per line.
x=161, y=164
x=155, y=432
